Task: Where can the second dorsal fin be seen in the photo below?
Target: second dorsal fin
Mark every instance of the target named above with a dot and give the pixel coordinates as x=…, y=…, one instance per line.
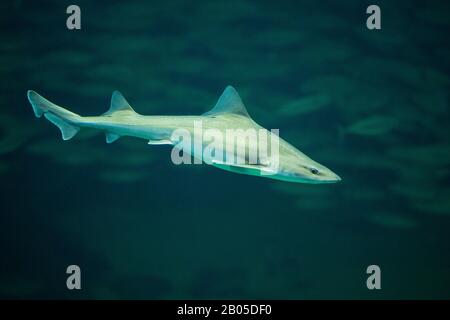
x=118, y=103
x=229, y=102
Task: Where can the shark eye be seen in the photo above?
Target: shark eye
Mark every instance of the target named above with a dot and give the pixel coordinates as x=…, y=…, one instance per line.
x=314, y=170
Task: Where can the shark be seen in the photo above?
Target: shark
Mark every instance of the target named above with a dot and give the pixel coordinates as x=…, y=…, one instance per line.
x=228, y=113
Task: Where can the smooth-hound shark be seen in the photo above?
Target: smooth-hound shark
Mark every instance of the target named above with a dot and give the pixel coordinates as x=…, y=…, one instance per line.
x=228, y=113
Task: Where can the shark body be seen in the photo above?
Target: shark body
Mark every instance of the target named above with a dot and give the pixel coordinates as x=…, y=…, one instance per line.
x=228, y=113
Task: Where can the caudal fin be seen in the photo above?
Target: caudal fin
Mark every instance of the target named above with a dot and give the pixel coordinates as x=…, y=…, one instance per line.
x=60, y=117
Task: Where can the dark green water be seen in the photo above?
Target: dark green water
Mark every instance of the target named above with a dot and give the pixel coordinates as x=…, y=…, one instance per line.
x=371, y=105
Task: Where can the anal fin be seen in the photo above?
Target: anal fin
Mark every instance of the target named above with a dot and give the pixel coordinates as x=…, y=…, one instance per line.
x=111, y=137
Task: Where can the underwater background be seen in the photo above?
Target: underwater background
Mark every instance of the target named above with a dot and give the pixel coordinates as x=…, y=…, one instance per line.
x=372, y=105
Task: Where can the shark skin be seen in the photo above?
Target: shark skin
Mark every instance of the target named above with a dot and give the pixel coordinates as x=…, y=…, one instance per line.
x=228, y=113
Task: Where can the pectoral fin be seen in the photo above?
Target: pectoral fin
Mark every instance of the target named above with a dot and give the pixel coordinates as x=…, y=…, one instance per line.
x=160, y=142
x=249, y=169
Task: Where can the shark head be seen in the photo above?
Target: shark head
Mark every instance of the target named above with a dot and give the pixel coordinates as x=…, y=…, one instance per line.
x=304, y=170
x=290, y=166
x=295, y=166
x=285, y=162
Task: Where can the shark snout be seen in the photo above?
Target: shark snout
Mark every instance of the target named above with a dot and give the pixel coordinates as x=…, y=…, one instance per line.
x=332, y=177
x=321, y=174
x=309, y=173
x=325, y=175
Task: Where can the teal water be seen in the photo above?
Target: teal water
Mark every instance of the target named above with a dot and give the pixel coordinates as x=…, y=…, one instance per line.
x=371, y=105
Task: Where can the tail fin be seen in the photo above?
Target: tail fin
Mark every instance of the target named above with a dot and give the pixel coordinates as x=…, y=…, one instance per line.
x=60, y=117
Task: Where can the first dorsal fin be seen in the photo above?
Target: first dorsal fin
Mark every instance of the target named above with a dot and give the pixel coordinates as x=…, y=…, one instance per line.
x=118, y=102
x=229, y=102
